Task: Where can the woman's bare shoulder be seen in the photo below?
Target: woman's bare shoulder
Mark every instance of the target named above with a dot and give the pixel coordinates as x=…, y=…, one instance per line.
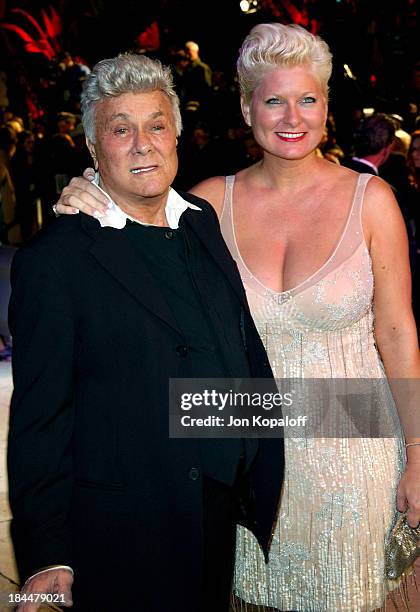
x=212, y=190
x=381, y=214
x=380, y=201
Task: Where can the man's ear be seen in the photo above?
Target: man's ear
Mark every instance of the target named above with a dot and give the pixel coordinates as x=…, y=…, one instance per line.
x=92, y=152
x=386, y=152
x=246, y=112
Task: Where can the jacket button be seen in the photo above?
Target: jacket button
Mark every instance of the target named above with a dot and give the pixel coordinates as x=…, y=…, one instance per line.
x=169, y=234
x=194, y=474
x=182, y=350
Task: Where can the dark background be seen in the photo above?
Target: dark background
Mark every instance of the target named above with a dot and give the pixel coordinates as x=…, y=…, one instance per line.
x=377, y=39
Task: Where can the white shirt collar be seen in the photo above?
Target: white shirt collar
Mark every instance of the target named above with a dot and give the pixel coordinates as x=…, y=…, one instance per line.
x=117, y=218
x=368, y=163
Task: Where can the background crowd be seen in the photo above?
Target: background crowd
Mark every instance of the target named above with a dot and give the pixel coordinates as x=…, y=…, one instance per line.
x=46, y=52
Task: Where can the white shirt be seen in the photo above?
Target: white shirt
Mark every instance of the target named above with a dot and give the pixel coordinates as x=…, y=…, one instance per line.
x=117, y=218
x=368, y=163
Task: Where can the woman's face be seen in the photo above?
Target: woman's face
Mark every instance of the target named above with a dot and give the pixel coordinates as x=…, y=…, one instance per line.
x=415, y=152
x=287, y=113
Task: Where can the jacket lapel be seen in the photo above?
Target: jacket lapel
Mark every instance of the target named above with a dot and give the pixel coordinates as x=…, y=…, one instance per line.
x=208, y=231
x=118, y=257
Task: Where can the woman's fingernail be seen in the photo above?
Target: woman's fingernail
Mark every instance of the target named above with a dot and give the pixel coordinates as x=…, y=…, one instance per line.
x=98, y=215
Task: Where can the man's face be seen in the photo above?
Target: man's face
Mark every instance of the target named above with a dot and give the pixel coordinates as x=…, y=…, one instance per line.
x=135, y=146
x=192, y=50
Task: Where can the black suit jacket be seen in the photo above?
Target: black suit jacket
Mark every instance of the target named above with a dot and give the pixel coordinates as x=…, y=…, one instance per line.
x=358, y=166
x=95, y=482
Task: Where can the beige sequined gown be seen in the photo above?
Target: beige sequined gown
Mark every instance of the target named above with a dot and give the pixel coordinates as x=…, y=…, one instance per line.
x=338, y=501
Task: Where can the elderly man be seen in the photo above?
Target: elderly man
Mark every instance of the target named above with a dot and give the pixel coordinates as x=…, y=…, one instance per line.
x=103, y=313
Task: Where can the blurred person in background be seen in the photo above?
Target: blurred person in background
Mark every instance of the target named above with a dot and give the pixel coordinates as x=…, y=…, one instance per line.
x=372, y=144
x=413, y=164
x=62, y=150
x=70, y=81
x=9, y=227
x=413, y=160
x=26, y=171
x=180, y=61
x=197, y=79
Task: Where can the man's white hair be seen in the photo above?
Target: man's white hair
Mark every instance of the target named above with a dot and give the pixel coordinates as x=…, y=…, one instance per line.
x=126, y=73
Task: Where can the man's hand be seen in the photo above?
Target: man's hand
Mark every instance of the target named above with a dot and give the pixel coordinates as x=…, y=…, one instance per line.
x=80, y=194
x=53, y=582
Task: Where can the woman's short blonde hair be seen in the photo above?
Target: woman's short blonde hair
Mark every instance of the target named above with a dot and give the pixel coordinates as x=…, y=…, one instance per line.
x=274, y=45
x=126, y=73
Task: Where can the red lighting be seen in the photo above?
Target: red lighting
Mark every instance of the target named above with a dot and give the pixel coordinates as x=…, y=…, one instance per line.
x=46, y=41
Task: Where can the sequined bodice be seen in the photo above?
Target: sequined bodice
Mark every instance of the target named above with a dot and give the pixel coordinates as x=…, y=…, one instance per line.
x=309, y=330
